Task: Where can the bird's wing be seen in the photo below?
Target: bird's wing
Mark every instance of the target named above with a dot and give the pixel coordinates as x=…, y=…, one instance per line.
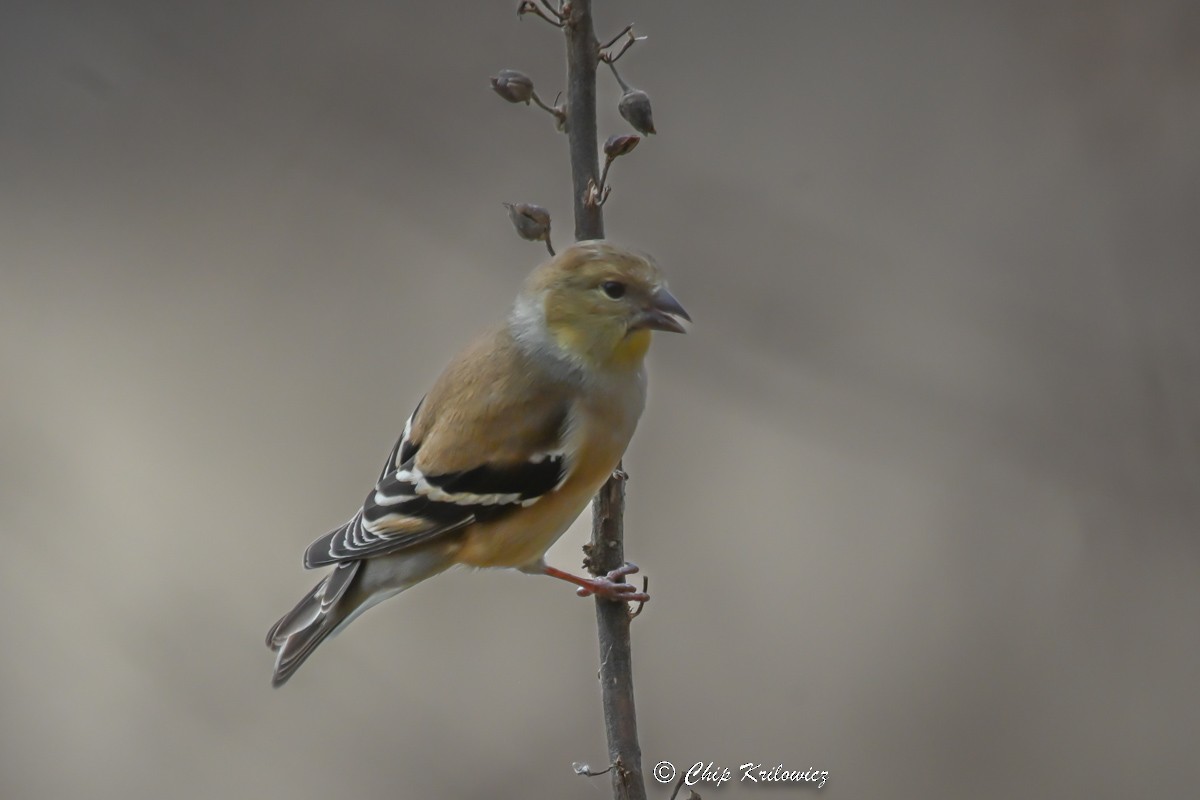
x=475, y=461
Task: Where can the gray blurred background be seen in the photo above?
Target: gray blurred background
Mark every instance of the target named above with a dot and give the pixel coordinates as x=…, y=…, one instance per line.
x=919, y=495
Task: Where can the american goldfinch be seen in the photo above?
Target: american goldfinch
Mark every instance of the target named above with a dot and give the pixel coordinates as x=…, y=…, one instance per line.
x=517, y=434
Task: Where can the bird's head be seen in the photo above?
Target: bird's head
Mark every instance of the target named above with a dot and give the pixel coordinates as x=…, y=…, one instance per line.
x=598, y=302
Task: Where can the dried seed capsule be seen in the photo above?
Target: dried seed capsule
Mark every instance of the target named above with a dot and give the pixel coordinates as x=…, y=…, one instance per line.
x=532, y=222
x=620, y=144
x=513, y=86
x=635, y=108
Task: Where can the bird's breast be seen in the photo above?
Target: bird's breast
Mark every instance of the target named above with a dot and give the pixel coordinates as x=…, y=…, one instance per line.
x=523, y=537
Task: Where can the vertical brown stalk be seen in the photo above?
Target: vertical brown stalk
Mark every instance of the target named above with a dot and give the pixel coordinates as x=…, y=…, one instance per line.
x=607, y=550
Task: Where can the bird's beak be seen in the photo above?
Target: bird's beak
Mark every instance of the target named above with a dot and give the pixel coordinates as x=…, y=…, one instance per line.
x=662, y=314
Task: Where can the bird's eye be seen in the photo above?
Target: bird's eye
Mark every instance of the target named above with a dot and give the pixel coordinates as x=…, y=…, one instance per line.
x=614, y=289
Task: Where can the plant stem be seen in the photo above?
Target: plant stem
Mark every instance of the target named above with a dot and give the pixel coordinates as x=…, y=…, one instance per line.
x=607, y=550
x=582, y=53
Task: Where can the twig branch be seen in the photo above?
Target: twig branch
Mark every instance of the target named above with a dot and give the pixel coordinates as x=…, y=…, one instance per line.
x=607, y=551
x=529, y=7
x=624, y=86
x=581, y=118
x=586, y=771
x=609, y=58
x=679, y=785
x=555, y=11
x=627, y=29
x=558, y=112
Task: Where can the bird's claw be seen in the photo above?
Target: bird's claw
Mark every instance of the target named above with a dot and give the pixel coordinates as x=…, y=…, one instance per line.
x=611, y=587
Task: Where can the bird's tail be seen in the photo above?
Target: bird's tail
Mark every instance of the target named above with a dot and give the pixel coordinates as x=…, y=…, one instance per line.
x=352, y=588
x=298, y=632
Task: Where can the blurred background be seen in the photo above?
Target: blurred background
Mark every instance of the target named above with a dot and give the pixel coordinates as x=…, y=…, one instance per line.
x=919, y=495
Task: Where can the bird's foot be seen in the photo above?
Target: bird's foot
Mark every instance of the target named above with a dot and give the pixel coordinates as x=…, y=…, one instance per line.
x=610, y=586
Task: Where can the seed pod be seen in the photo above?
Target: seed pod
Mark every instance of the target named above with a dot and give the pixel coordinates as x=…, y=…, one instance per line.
x=532, y=222
x=560, y=118
x=635, y=108
x=620, y=144
x=513, y=86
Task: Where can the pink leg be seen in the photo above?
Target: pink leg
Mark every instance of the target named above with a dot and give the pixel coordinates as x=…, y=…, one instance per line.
x=610, y=587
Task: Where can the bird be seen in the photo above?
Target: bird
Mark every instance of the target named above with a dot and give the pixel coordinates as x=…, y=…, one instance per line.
x=507, y=448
